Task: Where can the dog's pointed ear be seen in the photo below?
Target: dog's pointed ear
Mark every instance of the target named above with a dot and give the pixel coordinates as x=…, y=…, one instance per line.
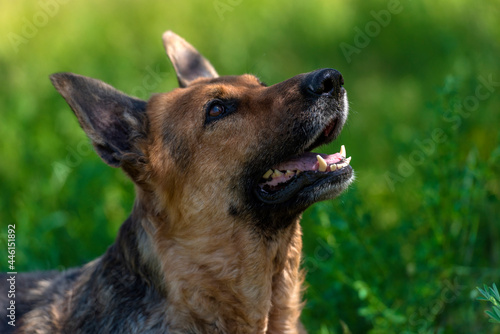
x=188, y=63
x=112, y=120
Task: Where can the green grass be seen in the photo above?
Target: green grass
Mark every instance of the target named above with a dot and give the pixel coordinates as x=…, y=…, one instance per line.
x=402, y=251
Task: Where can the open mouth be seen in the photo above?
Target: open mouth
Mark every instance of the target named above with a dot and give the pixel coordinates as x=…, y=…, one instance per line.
x=306, y=172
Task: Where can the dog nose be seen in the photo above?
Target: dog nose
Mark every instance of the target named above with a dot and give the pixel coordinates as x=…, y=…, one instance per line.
x=326, y=81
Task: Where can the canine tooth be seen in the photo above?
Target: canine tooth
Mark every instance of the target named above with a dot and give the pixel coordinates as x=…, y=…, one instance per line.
x=277, y=173
x=348, y=160
x=342, y=151
x=267, y=174
x=322, y=163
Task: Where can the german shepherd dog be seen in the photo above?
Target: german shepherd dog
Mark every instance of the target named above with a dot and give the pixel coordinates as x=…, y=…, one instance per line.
x=223, y=170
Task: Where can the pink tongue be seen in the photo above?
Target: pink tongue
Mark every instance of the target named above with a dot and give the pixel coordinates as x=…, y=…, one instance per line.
x=308, y=161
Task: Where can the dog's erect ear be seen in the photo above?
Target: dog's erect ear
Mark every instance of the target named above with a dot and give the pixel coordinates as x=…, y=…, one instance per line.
x=188, y=63
x=113, y=120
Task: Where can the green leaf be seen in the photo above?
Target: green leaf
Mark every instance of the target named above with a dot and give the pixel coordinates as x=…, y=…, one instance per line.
x=494, y=317
x=490, y=314
x=484, y=293
x=497, y=312
x=494, y=290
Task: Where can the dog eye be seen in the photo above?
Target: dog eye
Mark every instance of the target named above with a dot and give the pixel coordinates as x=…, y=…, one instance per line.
x=215, y=110
x=218, y=109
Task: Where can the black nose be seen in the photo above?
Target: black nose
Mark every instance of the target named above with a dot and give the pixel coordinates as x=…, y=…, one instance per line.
x=326, y=81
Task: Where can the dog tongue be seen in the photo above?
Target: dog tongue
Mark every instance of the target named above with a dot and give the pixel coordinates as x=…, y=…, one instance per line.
x=308, y=161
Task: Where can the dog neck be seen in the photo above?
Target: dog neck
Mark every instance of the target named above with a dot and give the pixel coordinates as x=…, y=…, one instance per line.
x=217, y=280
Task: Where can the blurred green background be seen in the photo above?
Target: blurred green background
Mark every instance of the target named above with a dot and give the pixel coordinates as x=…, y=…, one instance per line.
x=402, y=251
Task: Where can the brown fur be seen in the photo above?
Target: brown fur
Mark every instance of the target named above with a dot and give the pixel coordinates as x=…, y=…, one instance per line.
x=199, y=254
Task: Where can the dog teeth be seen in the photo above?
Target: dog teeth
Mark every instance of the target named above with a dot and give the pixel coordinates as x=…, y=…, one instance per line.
x=322, y=167
x=277, y=173
x=267, y=174
x=274, y=173
x=344, y=164
x=322, y=163
x=342, y=151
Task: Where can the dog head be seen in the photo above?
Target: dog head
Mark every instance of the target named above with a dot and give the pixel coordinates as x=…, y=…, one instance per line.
x=220, y=147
